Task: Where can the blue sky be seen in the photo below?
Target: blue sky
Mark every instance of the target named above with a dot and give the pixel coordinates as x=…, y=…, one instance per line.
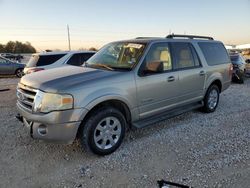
x=96, y=22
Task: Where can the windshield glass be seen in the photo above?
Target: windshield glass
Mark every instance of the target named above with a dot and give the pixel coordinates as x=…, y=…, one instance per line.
x=43, y=60
x=121, y=56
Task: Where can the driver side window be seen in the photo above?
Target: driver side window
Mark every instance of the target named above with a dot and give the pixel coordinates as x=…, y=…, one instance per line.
x=3, y=60
x=158, y=59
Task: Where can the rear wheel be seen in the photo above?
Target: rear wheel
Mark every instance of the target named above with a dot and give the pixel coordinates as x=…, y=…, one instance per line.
x=103, y=131
x=211, y=99
x=19, y=73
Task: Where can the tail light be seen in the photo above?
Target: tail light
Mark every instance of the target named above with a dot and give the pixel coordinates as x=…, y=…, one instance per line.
x=34, y=70
x=230, y=70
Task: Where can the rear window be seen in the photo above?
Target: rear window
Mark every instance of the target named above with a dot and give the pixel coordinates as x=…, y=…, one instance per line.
x=43, y=60
x=215, y=53
x=236, y=59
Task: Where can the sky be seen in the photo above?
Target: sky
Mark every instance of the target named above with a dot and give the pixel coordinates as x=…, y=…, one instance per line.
x=93, y=23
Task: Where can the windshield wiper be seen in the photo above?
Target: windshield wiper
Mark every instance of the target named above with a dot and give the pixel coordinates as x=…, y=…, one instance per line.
x=122, y=68
x=99, y=65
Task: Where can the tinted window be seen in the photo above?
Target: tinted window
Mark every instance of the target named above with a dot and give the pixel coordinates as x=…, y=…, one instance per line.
x=184, y=55
x=43, y=60
x=195, y=56
x=86, y=56
x=75, y=60
x=157, y=54
x=215, y=53
x=79, y=59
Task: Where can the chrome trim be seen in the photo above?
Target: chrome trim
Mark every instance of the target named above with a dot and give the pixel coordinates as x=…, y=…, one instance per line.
x=27, y=102
x=24, y=87
x=23, y=107
x=25, y=97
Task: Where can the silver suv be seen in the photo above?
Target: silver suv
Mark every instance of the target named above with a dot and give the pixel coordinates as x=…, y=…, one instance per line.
x=132, y=83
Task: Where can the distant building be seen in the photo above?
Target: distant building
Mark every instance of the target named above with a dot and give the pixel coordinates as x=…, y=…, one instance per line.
x=243, y=46
x=238, y=47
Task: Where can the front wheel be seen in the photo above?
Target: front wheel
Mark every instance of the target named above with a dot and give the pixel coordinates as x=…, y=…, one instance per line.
x=211, y=99
x=103, y=131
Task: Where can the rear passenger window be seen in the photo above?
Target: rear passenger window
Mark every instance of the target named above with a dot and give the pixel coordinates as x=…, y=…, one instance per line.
x=86, y=56
x=215, y=53
x=185, y=56
x=79, y=59
x=75, y=60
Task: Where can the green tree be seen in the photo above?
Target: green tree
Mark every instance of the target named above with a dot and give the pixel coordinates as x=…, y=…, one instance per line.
x=93, y=49
x=10, y=47
x=17, y=47
x=2, y=50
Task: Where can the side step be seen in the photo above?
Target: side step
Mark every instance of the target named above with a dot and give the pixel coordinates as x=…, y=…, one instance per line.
x=165, y=115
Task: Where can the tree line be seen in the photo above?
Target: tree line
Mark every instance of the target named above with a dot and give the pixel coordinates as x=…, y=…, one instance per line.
x=17, y=47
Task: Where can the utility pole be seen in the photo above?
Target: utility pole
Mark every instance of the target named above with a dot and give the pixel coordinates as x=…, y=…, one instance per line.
x=68, y=37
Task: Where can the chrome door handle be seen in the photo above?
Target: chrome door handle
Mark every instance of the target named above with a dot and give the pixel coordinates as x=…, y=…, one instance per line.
x=171, y=78
x=202, y=73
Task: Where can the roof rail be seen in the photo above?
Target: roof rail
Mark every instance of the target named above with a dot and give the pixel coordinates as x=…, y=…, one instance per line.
x=189, y=36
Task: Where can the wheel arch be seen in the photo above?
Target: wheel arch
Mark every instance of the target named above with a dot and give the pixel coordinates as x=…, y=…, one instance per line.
x=215, y=81
x=115, y=103
x=218, y=83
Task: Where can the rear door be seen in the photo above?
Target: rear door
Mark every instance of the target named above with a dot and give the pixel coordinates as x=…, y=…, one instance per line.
x=191, y=73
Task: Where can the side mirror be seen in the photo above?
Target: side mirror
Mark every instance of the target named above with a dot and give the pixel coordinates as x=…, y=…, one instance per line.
x=153, y=67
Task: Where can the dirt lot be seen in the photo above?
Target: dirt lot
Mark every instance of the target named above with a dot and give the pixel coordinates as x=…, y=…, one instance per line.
x=196, y=149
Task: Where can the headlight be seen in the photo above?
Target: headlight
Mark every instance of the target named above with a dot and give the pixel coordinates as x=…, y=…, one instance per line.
x=47, y=102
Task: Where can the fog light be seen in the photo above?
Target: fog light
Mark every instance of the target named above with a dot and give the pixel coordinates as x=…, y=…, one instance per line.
x=42, y=130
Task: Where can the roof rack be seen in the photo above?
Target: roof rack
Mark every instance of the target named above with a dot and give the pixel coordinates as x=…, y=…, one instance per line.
x=189, y=36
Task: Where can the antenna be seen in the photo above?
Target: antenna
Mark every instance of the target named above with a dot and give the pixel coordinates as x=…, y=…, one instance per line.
x=68, y=37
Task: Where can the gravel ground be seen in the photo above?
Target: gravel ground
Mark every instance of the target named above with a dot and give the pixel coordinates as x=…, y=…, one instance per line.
x=195, y=149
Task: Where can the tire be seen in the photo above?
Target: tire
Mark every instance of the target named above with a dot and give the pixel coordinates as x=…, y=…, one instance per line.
x=240, y=75
x=19, y=73
x=96, y=136
x=211, y=99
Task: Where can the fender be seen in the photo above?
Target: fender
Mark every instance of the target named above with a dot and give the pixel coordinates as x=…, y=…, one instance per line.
x=128, y=97
x=212, y=78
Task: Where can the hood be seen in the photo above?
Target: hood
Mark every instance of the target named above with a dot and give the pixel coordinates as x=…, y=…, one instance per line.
x=58, y=79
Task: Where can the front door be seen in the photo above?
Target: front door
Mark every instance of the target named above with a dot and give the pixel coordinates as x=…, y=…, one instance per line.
x=6, y=67
x=157, y=84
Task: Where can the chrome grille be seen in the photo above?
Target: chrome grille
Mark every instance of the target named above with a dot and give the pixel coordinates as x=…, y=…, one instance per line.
x=25, y=96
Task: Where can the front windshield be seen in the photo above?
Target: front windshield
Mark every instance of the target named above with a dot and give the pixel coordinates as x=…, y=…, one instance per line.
x=121, y=56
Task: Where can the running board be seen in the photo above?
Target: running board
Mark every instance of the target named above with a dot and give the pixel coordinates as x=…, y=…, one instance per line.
x=166, y=115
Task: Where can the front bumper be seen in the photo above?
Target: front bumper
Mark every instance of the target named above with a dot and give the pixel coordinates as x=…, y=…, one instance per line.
x=58, y=126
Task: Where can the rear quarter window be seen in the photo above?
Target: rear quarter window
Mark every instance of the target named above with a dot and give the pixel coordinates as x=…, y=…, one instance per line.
x=48, y=59
x=214, y=53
